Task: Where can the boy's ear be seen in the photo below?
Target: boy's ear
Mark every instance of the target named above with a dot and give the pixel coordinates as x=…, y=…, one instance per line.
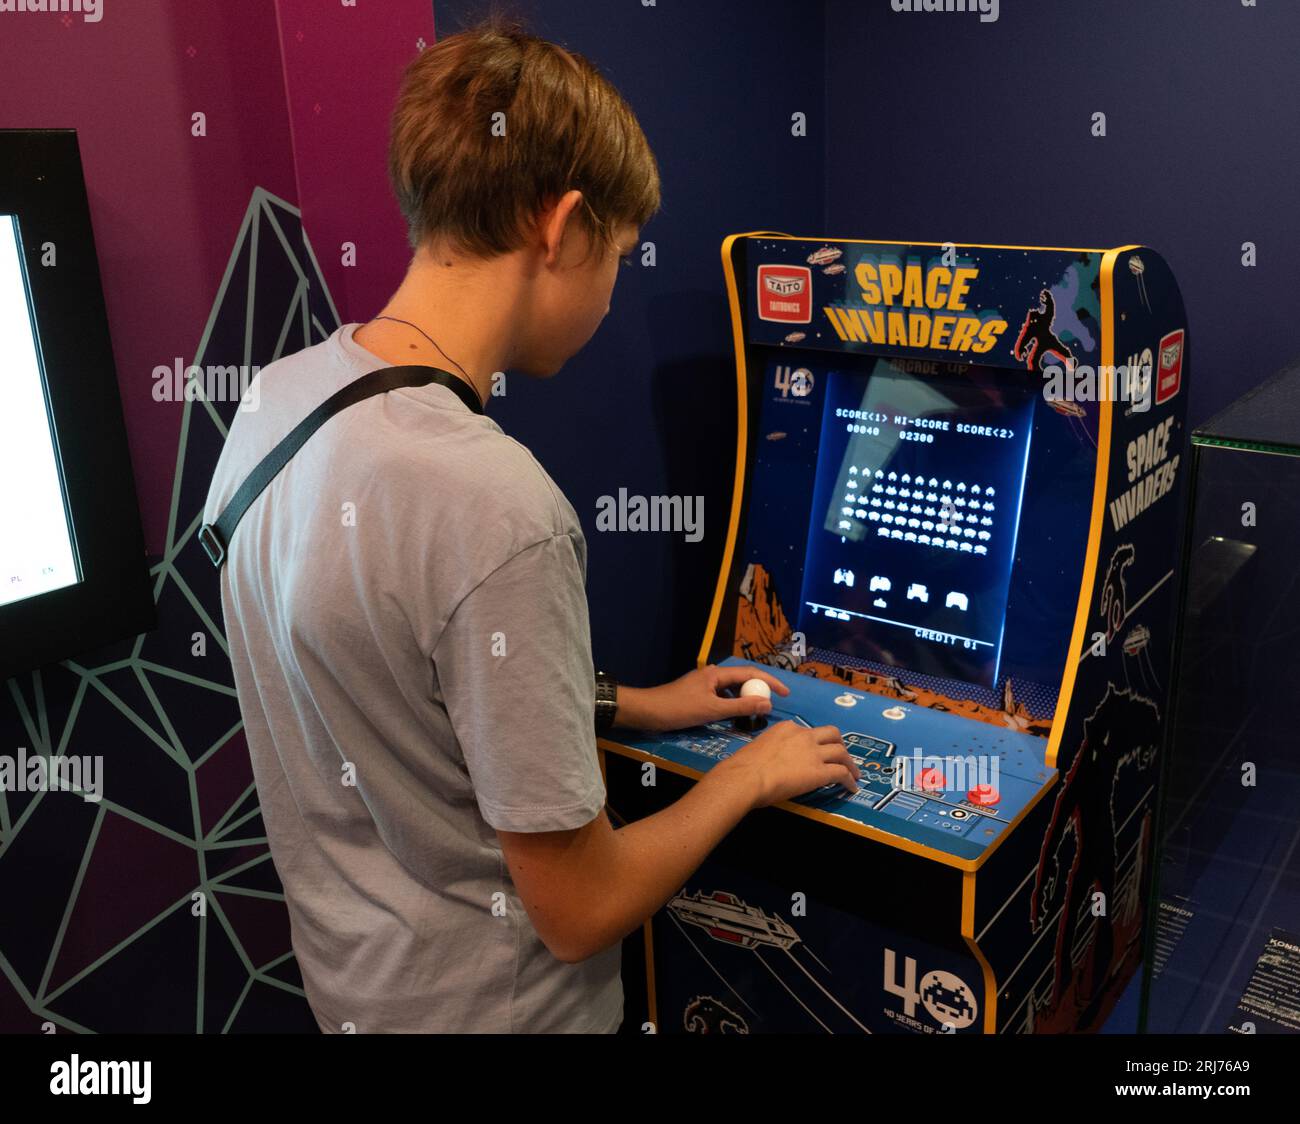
x=558, y=222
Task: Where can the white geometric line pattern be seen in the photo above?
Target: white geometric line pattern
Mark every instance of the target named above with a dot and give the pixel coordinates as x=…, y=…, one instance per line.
x=179, y=817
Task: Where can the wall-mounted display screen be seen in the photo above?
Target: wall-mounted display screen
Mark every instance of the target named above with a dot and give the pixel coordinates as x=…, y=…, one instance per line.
x=37, y=550
x=73, y=572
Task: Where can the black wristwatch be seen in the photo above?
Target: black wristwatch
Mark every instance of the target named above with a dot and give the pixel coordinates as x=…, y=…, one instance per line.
x=606, y=701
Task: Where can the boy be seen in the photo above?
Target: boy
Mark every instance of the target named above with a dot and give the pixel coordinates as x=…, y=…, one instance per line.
x=405, y=603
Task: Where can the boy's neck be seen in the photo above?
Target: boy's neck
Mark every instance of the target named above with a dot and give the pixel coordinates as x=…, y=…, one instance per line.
x=472, y=311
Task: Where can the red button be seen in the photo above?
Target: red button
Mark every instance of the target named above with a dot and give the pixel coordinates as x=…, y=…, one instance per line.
x=931, y=780
x=984, y=795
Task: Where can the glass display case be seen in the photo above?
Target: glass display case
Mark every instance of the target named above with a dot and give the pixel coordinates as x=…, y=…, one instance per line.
x=1223, y=953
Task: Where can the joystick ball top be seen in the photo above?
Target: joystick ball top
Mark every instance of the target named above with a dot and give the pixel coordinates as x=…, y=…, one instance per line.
x=755, y=687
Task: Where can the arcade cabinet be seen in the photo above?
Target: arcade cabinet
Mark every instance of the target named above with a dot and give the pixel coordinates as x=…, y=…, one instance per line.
x=954, y=535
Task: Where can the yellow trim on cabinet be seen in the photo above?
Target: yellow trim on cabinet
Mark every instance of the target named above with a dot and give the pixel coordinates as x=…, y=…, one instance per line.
x=1100, y=480
x=742, y=427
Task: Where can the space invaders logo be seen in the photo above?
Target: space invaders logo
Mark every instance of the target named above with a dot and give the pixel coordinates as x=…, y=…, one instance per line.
x=1170, y=375
x=785, y=293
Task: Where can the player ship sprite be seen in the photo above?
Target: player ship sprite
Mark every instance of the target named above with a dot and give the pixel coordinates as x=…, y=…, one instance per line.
x=726, y=918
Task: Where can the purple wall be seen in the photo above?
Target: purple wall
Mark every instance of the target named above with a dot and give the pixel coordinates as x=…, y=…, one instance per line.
x=297, y=96
x=165, y=205
x=203, y=253
x=342, y=67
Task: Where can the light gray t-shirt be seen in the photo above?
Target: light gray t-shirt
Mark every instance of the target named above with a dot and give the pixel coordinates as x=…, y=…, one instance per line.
x=407, y=618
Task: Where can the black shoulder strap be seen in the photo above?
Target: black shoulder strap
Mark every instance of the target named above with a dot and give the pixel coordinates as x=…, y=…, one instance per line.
x=215, y=537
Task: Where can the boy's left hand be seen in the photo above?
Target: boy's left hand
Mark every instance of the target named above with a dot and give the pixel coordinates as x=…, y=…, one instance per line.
x=694, y=699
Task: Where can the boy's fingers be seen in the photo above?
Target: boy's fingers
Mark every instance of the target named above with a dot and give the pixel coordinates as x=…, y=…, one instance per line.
x=750, y=704
x=734, y=676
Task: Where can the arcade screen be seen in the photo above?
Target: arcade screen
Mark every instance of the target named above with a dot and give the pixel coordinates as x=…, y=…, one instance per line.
x=37, y=551
x=909, y=487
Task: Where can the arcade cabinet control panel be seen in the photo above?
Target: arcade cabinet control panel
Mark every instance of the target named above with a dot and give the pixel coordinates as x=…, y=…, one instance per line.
x=908, y=787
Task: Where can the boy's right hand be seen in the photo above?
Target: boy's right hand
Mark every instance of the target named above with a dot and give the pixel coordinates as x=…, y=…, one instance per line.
x=789, y=760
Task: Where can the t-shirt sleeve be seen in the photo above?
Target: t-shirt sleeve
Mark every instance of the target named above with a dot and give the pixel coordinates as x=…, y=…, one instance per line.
x=514, y=668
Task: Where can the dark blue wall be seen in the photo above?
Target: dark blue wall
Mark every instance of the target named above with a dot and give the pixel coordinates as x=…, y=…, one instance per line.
x=930, y=127
x=943, y=128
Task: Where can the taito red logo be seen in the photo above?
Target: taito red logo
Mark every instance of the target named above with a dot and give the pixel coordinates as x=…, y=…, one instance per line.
x=785, y=293
x=1169, y=375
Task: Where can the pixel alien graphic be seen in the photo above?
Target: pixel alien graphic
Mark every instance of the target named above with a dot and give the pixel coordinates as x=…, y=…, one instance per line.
x=948, y=999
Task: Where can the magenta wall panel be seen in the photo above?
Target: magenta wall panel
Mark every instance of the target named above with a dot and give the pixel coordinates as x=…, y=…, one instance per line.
x=342, y=65
x=216, y=249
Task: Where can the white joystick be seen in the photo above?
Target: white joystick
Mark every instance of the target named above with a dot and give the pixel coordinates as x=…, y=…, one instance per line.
x=752, y=723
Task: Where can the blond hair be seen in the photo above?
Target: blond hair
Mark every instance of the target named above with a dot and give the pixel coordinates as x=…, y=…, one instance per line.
x=565, y=126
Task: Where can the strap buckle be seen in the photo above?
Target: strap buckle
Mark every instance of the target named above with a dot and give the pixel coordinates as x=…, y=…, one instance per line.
x=212, y=544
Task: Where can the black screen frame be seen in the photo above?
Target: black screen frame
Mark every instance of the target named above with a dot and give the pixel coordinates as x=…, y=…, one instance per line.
x=41, y=181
